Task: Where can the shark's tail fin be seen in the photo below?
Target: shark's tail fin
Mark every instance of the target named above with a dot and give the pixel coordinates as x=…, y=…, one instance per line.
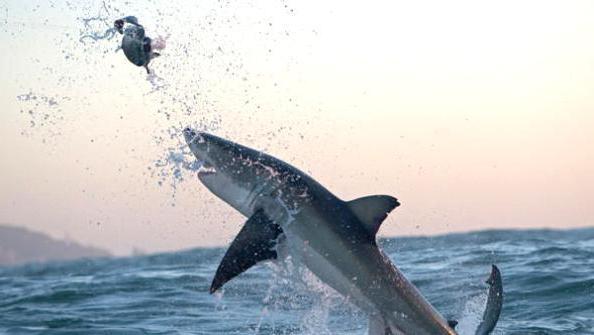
x=494, y=303
x=378, y=326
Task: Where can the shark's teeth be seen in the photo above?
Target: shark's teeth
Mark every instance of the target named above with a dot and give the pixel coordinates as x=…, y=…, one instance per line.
x=205, y=169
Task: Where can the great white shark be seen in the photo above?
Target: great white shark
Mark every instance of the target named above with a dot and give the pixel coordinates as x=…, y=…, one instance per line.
x=334, y=239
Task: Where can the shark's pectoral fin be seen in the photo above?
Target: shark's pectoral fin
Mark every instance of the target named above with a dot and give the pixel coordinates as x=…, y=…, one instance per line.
x=494, y=303
x=373, y=210
x=254, y=243
x=377, y=326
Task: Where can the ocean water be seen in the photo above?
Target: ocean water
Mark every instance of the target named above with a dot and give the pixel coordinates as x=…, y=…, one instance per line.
x=548, y=279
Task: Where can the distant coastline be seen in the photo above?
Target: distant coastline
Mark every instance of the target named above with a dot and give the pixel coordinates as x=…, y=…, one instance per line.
x=19, y=245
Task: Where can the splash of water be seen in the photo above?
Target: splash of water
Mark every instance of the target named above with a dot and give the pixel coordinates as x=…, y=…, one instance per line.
x=157, y=83
x=50, y=101
x=294, y=286
x=472, y=314
x=42, y=110
x=172, y=169
x=108, y=34
x=98, y=27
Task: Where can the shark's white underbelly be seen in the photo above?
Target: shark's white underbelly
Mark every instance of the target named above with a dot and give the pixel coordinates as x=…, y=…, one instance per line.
x=300, y=249
x=332, y=276
x=327, y=261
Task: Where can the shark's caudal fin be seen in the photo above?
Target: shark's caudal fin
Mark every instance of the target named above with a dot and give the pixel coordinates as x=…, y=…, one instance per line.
x=494, y=303
x=378, y=326
x=254, y=243
x=373, y=210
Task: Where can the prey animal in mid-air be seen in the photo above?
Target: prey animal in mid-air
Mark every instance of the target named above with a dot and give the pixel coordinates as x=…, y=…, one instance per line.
x=138, y=48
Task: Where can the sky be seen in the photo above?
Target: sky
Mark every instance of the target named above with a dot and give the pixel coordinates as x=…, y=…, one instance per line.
x=474, y=114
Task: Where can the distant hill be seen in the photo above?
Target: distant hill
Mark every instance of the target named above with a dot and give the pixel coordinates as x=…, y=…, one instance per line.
x=19, y=245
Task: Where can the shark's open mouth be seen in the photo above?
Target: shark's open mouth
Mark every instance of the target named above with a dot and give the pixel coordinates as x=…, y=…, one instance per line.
x=200, y=166
x=195, y=140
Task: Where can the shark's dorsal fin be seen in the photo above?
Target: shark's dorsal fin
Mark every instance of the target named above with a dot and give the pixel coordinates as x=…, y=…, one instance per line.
x=372, y=210
x=254, y=243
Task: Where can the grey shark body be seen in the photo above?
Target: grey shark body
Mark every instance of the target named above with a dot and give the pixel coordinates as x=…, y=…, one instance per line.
x=334, y=239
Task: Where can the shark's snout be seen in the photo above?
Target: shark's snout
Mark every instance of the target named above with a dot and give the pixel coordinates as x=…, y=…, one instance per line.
x=197, y=145
x=194, y=137
x=197, y=142
x=189, y=134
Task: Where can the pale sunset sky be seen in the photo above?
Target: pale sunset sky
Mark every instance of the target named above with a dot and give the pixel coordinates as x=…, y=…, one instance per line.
x=474, y=114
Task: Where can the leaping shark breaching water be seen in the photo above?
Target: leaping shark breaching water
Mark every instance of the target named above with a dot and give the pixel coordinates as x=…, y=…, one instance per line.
x=334, y=239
